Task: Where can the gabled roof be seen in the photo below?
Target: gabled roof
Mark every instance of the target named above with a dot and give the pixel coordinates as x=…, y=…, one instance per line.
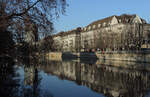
x=77, y=30
x=108, y=19
x=125, y=18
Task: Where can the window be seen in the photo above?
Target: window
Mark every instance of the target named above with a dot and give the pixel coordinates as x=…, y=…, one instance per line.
x=104, y=24
x=89, y=28
x=71, y=42
x=119, y=28
x=94, y=26
x=85, y=29
x=99, y=25
x=119, y=20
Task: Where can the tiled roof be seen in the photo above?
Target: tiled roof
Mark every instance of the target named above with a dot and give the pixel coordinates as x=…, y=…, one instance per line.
x=125, y=18
x=108, y=19
x=68, y=32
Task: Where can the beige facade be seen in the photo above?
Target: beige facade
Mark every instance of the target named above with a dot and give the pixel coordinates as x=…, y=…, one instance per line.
x=67, y=41
x=125, y=32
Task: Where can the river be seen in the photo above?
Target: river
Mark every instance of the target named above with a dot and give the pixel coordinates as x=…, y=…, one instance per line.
x=74, y=78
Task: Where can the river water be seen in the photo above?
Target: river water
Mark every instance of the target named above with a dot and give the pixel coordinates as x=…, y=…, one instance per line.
x=74, y=78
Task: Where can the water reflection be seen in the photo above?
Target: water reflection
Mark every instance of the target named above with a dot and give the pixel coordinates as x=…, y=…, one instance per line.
x=112, y=81
x=33, y=78
x=9, y=86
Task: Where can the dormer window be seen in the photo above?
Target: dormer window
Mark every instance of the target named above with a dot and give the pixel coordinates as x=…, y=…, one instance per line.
x=126, y=20
x=119, y=20
x=104, y=24
x=99, y=25
x=108, y=24
x=89, y=28
x=144, y=21
x=94, y=26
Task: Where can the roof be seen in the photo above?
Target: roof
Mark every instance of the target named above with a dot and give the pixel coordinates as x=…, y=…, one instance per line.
x=102, y=21
x=122, y=17
x=68, y=32
x=126, y=18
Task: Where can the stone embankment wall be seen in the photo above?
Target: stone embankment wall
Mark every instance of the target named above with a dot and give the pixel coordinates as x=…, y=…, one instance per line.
x=54, y=56
x=136, y=57
x=125, y=57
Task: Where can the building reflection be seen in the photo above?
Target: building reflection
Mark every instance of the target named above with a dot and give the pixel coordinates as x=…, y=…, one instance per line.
x=112, y=81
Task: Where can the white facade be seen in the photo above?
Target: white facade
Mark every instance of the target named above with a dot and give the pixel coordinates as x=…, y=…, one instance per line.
x=115, y=32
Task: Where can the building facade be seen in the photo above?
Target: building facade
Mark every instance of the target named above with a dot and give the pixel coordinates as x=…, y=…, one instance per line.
x=125, y=32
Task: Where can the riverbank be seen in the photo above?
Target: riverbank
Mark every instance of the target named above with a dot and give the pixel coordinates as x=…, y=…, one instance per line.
x=121, y=56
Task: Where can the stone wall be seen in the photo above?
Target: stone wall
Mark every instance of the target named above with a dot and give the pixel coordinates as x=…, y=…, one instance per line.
x=125, y=56
x=54, y=56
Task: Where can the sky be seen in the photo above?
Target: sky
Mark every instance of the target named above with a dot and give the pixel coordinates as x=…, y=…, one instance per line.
x=80, y=13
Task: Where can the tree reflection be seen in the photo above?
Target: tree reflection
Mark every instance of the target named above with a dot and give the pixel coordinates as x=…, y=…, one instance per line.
x=32, y=79
x=111, y=81
x=11, y=84
x=8, y=84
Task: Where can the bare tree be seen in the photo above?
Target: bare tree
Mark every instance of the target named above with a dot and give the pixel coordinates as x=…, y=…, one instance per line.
x=15, y=13
x=17, y=16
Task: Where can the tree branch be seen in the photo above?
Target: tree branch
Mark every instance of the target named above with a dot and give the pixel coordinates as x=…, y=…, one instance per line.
x=25, y=11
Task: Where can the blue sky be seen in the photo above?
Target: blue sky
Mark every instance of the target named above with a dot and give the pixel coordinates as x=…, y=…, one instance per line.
x=82, y=12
